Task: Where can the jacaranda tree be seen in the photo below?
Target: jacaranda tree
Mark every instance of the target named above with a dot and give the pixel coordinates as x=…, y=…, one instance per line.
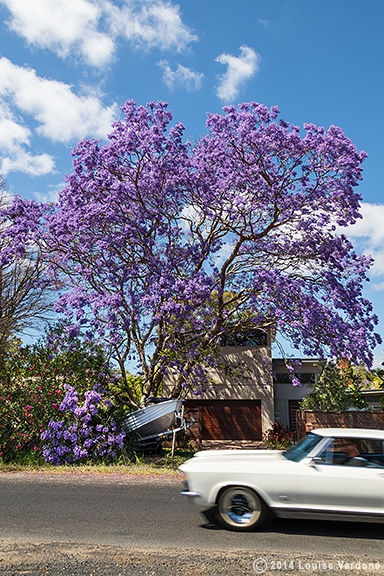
x=167, y=246
x=26, y=299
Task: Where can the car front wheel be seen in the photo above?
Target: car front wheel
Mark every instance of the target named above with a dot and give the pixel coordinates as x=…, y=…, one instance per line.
x=240, y=509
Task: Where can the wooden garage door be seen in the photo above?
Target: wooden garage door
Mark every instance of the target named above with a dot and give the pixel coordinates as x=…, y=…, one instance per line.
x=229, y=419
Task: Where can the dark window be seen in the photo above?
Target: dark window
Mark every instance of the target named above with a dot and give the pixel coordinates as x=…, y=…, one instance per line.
x=245, y=338
x=305, y=378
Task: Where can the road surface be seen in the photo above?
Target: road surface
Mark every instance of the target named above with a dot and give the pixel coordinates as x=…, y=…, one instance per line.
x=83, y=523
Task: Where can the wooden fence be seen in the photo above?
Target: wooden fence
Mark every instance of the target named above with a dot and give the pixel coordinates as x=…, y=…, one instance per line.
x=307, y=420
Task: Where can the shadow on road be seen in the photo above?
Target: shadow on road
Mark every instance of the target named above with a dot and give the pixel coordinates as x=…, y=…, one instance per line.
x=334, y=529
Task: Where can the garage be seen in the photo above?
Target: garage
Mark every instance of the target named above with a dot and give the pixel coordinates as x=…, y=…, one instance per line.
x=226, y=419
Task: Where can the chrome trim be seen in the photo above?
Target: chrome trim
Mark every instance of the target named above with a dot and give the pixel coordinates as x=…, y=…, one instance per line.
x=190, y=494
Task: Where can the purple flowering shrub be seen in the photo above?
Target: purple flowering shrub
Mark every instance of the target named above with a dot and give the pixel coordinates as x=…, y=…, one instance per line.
x=83, y=432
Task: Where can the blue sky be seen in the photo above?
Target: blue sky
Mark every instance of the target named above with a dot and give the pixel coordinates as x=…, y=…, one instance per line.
x=67, y=65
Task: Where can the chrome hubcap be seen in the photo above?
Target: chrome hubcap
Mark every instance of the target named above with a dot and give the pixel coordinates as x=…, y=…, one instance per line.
x=240, y=507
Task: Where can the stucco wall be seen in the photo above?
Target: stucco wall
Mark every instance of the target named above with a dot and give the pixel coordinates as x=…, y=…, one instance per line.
x=251, y=378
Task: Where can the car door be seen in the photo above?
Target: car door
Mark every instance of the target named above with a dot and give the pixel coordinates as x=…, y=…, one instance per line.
x=329, y=482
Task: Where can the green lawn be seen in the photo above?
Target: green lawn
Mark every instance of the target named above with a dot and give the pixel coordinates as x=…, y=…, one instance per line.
x=149, y=465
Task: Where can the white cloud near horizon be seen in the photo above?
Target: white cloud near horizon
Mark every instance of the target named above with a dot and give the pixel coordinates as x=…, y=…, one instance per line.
x=51, y=195
x=368, y=235
x=181, y=76
x=239, y=70
x=60, y=114
x=92, y=28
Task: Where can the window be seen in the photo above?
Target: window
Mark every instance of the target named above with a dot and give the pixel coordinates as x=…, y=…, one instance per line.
x=304, y=377
x=303, y=448
x=354, y=452
x=254, y=337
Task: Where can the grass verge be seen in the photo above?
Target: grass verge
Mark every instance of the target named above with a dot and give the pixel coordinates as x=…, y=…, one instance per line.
x=138, y=465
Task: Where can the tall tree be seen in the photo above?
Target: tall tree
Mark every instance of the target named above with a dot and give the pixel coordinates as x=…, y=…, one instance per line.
x=169, y=246
x=26, y=299
x=338, y=388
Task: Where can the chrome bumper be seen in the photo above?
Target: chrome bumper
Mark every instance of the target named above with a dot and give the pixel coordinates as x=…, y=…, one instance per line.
x=190, y=494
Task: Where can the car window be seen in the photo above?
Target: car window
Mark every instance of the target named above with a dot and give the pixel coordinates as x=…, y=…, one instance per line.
x=353, y=452
x=302, y=448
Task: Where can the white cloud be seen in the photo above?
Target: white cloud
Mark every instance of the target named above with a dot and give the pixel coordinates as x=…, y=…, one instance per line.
x=14, y=138
x=62, y=115
x=51, y=195
x=91, y=28
x=239, y=70
x=62, y=26
x=265, y=23
x=368, y=235
x=370, y=226
x=378, y=359
x=23, y=161
x=182, y=76
x=150, y=24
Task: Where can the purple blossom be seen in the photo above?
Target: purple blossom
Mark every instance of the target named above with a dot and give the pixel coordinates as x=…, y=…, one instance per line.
x=151, y=235
x=81, y=435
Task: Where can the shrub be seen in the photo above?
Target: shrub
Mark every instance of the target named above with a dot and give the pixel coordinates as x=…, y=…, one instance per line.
x=83, y=432
x=33, y=381
x=278, y=437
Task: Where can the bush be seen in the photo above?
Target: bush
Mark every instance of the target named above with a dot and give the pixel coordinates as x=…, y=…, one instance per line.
x=34, y=381
x=83, y=432
x=278, y=437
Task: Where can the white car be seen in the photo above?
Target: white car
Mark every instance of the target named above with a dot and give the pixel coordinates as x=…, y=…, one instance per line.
x=332, y=473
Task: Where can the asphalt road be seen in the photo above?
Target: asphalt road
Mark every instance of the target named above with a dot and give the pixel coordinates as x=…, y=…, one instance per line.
x=45, y=518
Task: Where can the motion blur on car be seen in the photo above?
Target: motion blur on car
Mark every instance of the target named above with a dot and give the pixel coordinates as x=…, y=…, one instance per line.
x=332, y=473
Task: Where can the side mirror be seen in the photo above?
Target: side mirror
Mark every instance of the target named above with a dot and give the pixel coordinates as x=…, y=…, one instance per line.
x=316, y=460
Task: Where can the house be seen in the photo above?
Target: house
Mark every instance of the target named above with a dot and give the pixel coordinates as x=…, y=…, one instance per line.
x=240, y=404
x=243, y=404
x=286, y=396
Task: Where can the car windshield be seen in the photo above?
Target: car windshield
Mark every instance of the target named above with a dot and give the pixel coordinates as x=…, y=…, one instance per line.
x=302, y=448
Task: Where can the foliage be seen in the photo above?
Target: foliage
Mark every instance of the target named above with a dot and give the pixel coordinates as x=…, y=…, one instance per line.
x=338, y=388
x=122, y=392
x=82, y=432
x=151, y=234
x=376, y=381
x=26, y=297
x=32, y=386
x=278, y=437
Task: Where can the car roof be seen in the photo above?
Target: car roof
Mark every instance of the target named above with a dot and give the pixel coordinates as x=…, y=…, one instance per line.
x=349, y=433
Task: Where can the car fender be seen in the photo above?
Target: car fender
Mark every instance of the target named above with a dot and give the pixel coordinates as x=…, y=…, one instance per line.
x=216, y=489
